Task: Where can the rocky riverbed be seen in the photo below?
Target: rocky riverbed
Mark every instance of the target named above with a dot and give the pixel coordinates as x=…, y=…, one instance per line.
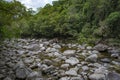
x=42, y=59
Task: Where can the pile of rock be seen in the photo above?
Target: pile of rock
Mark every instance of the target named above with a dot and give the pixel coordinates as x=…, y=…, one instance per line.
x=42, y=59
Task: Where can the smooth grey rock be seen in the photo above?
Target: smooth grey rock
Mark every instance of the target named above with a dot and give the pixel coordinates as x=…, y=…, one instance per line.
x=101, y=47
x=56, y=54
x=42, y=49
x=114, y=51
x=106, y=60
x=35, y=52
x=56, y=60
x=69, y=52
x=22, y=71
x=65, y=66
x=57, y=46
x=19, y=64
x=39, y=79
x=85, y=68
x=48, y=62
x=49, y=70
x=99, y=74
x=97, y=65
x=96, y=76
x=85, y=54
x=84, y=63
x=91, y=65
x=92, y=58
x=50, y=54
x=114, y=55
x=43, y=66
x=74, y=45
x=79, y=65
x=69, y=45
x=46, y=42
x=113, y=76
x=41, y=45
x=63, y=57
x=21, y=52
x=76, y=78
x=33, y=66
x=61, y=72
x=65, y=78
x=95, y=52
x=10, y=64
x=116, y=63
x=101, y=70
x=72, y=61
x=75, y=68
x=33, y=47
x=90, y=52
x=51, y=50
x=89, y=47
x=71, y=72
x=81, y=47
x=37, y=60
x=34, y=75
x=28, y=60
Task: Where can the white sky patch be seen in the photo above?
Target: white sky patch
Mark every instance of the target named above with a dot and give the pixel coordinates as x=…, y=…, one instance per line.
x=35, y=3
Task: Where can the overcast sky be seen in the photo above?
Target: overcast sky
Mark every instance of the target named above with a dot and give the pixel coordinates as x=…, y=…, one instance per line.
x=35, y=3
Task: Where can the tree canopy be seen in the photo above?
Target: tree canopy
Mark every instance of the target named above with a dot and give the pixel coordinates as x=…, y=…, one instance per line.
x=77, y=19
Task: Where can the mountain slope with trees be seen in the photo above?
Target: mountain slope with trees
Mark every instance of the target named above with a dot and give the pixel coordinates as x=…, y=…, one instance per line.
x=82, y=20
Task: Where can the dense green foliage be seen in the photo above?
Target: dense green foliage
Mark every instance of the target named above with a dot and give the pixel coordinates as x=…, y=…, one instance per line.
x=11, y=15
x=83, y=20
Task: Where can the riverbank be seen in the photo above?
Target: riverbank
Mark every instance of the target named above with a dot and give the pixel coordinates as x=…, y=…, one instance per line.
x=42, y=59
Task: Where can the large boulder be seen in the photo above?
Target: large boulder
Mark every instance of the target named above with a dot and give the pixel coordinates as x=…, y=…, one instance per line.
x=72, y=61
x=49, y=49
x=92, y=58
x=47, y=62
x=114, y=55
x=77, y=78
x=69, y=52
x=105, y=60
x=65, y=66
x=114, y=51
x=21, y=52
x=89, y=47
x=34, y=75
x=22, y=71
x=28, y=60
x=97, y=76
x=57, y=46
x=71, y=72
x=113, y=76
x=65, y=78
x=32, y=47
x=101, y=47
x=85, y=68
